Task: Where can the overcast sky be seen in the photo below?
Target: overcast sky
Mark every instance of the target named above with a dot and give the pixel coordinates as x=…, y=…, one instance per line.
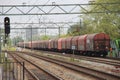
x=43, y=2
x=35, y=18
x=18, y=2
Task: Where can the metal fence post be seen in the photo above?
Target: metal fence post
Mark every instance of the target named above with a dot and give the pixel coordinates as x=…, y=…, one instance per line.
x=23, y=71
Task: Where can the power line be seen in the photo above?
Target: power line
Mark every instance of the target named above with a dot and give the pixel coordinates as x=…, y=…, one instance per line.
x=37, y=11
x=41, y=28
x=45, y=23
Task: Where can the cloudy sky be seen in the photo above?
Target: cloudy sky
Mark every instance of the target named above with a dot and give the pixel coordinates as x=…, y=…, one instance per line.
x=40, y=2
x=36, y=18
x=18, y=2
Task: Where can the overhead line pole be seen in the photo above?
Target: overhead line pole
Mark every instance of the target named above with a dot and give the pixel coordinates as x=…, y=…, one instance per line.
x=31, y=38
x=29, y=9
x=0, y=46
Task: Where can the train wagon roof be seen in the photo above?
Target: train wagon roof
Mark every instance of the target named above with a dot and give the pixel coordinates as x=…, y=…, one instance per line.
x=98, y=36
x=60, y=39
x=69, y=39
x=75, y=38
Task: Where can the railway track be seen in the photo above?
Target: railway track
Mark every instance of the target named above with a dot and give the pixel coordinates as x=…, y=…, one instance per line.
x=28, y=74
x=101, y=60
x=86, y=74
x=109, y=61
x=110, y=65
x=78, y=68
x=34, y=72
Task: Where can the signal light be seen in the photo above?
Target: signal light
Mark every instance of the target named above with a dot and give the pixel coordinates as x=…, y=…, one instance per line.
x=7, y=25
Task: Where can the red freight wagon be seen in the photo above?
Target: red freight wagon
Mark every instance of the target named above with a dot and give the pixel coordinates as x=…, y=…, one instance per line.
x=34, y=44
x=68, y=42
x=56, y=44
x=98, y=43
x=44, y=44
x=60, y=44
x=82, y=43
x=75, y=42
x=49, y=44
x=37, y=44
x=29, y=45
x=26, y=44
x=63, y=44
x=40, y=44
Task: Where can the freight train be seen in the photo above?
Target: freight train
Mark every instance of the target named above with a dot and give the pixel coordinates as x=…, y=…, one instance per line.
x=97, y=44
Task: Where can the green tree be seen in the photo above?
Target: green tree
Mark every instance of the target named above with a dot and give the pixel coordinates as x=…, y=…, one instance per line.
x=74, y=30
x=45, y=37
x=106, y=22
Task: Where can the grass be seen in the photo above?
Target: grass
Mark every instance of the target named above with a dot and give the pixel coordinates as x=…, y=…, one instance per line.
x=9, y=48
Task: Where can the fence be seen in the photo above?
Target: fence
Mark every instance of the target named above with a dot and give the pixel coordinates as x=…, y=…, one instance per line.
x=12, y=70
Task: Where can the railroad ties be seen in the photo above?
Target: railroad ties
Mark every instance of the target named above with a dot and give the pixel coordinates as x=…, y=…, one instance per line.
x=47, y=66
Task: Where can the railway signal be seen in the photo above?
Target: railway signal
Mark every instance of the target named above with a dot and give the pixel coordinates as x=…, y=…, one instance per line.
x=7, y=26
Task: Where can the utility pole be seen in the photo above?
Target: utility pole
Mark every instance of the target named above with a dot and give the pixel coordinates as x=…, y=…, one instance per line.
x=59, y=32
x=45, y=31
x=0, y=45
x=24, y=39
x=80, y=23
x=31, y=38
